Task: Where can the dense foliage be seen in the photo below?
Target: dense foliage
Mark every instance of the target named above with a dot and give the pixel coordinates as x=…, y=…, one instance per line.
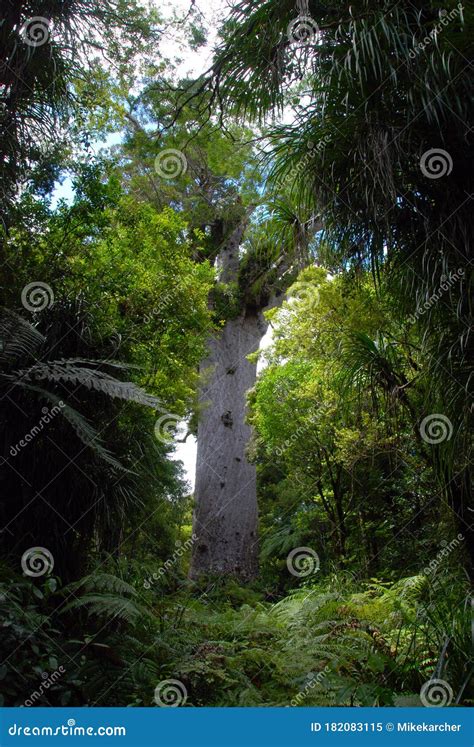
x=358, y=258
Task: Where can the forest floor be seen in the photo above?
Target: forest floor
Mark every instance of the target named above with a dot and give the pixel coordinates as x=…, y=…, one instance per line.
x=331, y=644
x=335, y=640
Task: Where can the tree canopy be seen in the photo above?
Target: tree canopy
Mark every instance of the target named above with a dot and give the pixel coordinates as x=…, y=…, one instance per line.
x=271, y=257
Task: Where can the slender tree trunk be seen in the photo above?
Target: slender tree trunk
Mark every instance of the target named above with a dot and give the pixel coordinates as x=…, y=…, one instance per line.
x=225, y=516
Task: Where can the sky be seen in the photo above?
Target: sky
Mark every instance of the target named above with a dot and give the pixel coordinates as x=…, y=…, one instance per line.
x=211, y=10
x=193, y=62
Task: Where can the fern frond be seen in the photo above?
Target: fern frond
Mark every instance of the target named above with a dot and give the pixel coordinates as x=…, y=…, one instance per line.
x=76, y=371
x=102, y=582
x=20, y=340
x=86, y=433
x=106, y=596
x=107, y=606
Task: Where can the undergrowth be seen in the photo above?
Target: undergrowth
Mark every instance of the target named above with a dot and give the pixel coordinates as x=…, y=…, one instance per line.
x=336, y=642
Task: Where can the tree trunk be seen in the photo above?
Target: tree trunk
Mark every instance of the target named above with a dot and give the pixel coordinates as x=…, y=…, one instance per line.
x=225, y=516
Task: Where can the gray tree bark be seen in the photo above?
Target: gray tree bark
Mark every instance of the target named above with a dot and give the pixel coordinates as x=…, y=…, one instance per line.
x=225, y=514
x=225, y=518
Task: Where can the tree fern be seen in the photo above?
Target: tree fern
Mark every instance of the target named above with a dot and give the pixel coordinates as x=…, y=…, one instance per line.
x=88, y=374
x=21, y=341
